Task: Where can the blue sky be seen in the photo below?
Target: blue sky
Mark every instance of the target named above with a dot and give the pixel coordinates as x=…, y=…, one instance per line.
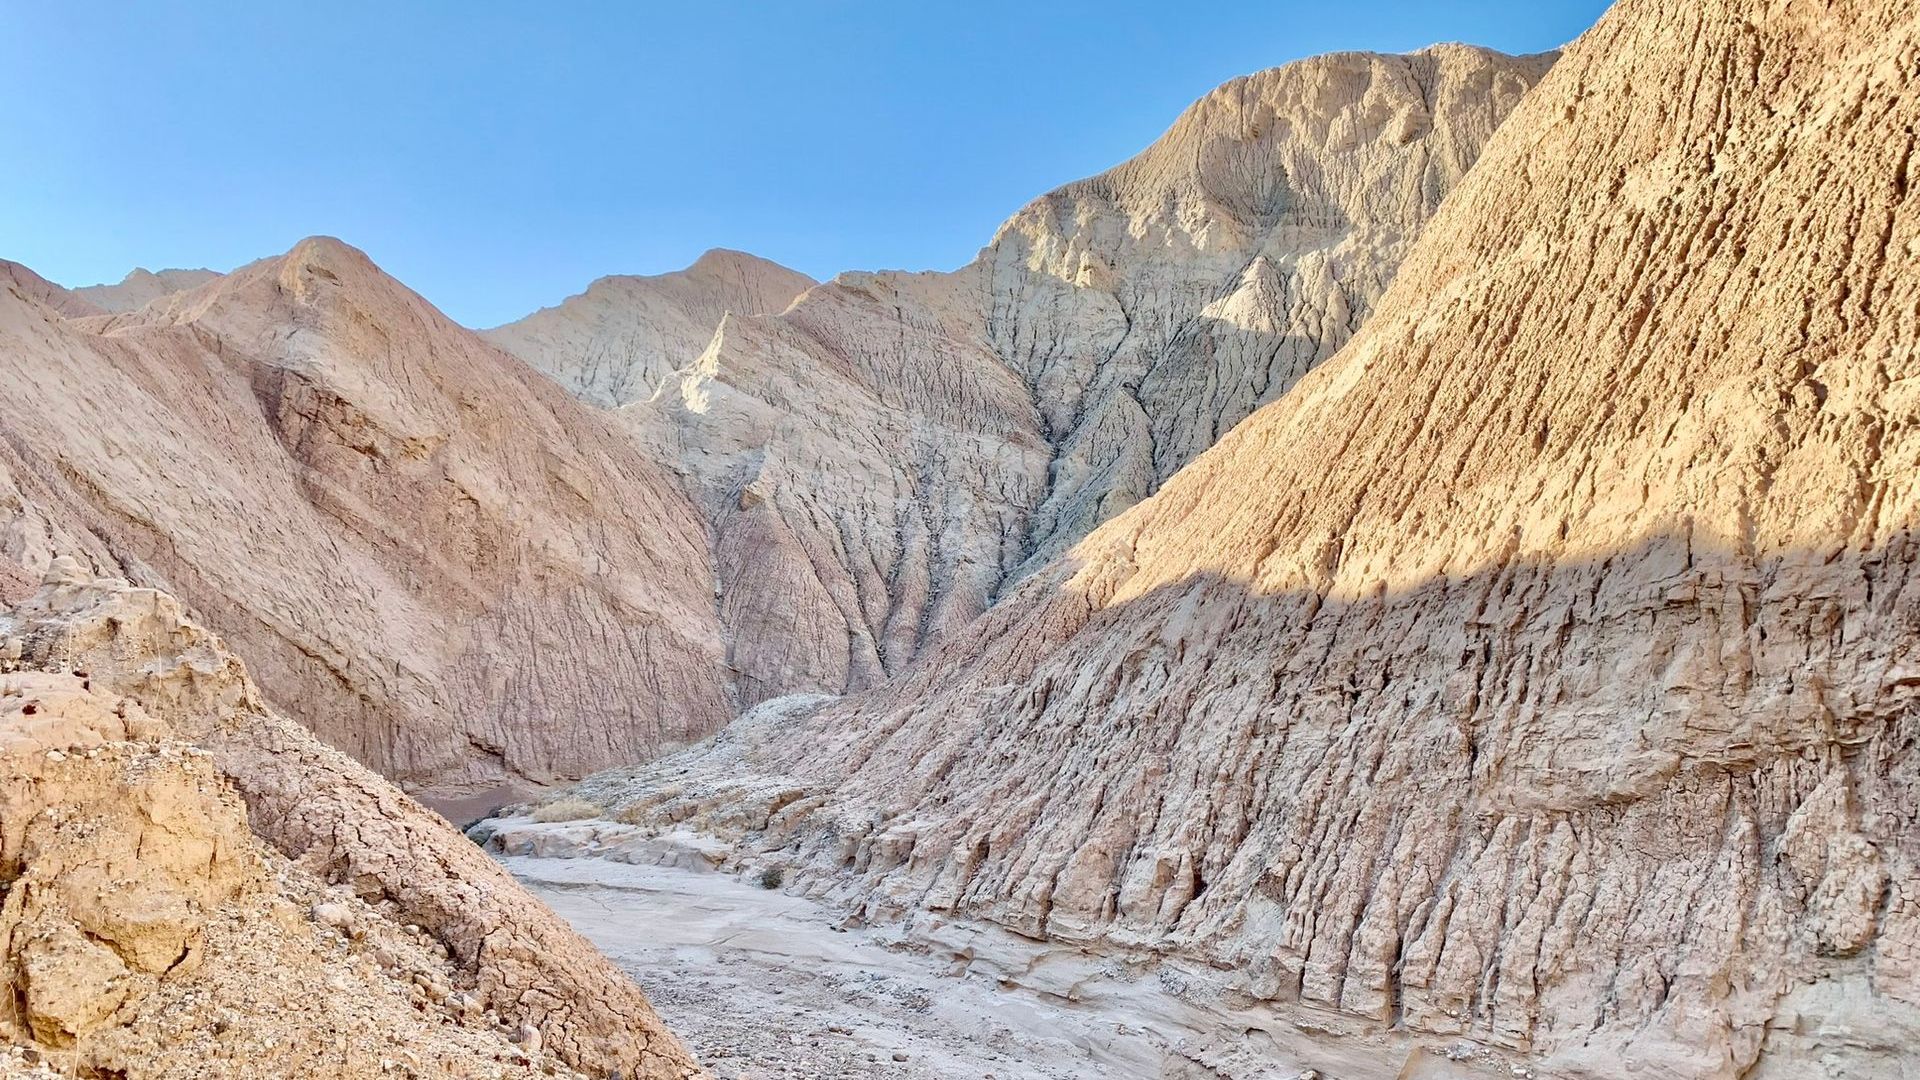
x=498, y=156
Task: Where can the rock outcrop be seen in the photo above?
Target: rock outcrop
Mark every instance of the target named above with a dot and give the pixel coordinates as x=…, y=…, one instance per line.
x=885, y=458
x=141, y=287
x=154, y=924
x=460, y=575
x=620, y=340
x=1544, y=669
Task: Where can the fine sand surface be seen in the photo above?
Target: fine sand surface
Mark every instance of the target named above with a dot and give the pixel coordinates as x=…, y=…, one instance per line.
x=760, y=984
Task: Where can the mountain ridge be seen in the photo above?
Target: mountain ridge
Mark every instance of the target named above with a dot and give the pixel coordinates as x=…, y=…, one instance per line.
x=889, y=453
x=396, y=501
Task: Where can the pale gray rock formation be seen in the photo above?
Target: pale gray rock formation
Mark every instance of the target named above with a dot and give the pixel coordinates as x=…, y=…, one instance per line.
x=868, y=466
x=141, y=287
x=460, y=575
x=156, y=926
x=1155, y=306
x=883, y=459
x=1543, y=670
x=618, y=341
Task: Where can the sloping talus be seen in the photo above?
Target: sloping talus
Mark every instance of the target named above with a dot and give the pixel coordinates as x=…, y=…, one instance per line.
x=155, y=926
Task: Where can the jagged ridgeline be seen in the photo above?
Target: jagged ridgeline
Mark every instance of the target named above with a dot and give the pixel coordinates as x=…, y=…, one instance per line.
x=883, y=458
x=440, y=561
x=1544, y=668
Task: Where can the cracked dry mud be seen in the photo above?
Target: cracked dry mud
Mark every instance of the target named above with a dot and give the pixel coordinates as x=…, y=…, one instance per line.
x=761, y=984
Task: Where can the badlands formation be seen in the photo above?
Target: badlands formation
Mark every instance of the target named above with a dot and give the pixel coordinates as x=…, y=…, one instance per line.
x=1543, y=670
x=141, y=287
x=882, y=458
x=1417, y=565
x=460, y=574
x=616, y=342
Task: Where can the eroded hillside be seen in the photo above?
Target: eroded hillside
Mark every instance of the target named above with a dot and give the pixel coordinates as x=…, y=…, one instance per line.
x=1542, y=670
x=459, y=574
x=883, y=459
x=195, y=887
x=620, y=340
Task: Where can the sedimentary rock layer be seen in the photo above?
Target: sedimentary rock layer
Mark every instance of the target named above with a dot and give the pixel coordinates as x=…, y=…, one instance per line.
x=1543, y=669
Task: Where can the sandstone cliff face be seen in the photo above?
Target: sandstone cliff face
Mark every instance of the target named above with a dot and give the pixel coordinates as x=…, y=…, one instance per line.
x=460, y=574
x=620, y=340
x=146, y=932
x=1542, y=670
x=141, y=287
x=882, y=460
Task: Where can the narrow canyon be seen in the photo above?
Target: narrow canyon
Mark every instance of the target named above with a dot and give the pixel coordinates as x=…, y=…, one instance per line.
x=1412, y=576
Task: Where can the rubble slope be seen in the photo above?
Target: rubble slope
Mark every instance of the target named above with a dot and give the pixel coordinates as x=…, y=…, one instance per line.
x=194, y=886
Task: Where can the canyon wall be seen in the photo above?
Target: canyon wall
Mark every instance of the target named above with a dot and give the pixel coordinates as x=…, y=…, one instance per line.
x=1542, y=670
x=883, y=459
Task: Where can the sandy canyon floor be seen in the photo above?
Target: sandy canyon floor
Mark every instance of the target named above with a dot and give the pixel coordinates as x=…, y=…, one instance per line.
x=764, y=984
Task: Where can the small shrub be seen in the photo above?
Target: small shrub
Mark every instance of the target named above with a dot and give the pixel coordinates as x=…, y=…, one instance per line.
x=566, y=809
x=771, y=877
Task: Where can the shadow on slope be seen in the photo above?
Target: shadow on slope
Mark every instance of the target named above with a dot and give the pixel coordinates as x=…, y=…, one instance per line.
x=1660, y=802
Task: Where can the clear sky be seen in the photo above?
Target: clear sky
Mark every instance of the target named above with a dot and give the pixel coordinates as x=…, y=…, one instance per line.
x=498, y=156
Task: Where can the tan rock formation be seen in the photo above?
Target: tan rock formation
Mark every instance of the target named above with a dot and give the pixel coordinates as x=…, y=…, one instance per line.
x=141, y=287
x=458, y=573
x=148, y=933
x=28, y=285
x=1544, y=669
x=883, y=459
x=618, y=341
